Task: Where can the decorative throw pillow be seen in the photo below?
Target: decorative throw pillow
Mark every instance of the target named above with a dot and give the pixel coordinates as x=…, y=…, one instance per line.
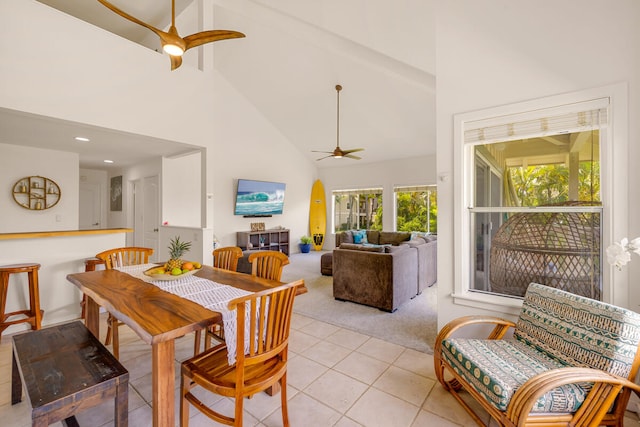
x=346, y=237
x=393, y=237
x=422, y=234
x=360, y=236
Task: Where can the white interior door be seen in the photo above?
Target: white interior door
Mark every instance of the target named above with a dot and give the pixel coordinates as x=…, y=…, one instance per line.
x=90, y=202
x=151, y=214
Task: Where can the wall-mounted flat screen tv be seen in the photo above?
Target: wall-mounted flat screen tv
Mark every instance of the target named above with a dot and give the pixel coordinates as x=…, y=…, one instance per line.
x=259, y=198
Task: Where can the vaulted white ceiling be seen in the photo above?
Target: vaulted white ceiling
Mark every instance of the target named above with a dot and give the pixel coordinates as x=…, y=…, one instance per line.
x=296, y=51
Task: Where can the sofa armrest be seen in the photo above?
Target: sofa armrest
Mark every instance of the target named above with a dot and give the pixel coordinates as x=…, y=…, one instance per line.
x=501, y=326
x=382, y=280
x=427, y=264
x=598, y=402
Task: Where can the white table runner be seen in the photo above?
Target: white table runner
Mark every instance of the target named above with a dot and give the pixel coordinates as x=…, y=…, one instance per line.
x=205, y=292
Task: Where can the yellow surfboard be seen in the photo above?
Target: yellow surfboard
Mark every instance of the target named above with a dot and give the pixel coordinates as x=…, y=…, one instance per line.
x=317, y=215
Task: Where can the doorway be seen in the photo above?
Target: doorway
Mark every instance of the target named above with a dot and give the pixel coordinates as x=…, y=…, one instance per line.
x=146, y=213
x=90, y=200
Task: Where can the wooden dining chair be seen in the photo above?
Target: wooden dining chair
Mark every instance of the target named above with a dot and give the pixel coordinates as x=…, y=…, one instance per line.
x=268, y=264
x=264, y=366
x=114, y=258
x=227, y=259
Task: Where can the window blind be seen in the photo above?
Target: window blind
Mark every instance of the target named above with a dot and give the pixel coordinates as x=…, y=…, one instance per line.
x=414, y=188
x=567, y=119
x=357, y=192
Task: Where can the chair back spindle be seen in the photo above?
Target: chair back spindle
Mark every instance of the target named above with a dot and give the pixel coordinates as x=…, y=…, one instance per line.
x=268, y=264
x=227, y=257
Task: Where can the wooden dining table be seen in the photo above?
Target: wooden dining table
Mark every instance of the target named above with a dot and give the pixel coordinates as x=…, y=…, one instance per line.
x=158, y=317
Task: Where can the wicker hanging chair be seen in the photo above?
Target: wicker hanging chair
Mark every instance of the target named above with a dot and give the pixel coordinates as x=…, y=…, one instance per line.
x=557, y=249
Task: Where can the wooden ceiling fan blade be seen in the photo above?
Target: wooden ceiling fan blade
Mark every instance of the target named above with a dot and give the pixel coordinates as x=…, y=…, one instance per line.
x=326, y=152
x=351, y=156
x=131, y=18
x=209, y=36
x=176, y=61
x=325, y=157
x=354, y=150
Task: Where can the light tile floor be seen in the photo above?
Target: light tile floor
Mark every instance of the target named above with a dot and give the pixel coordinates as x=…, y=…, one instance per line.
x=336, y=377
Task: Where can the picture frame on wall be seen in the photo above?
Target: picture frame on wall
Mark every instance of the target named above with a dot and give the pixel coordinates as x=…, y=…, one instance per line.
x=257, y=226
x=116, y=194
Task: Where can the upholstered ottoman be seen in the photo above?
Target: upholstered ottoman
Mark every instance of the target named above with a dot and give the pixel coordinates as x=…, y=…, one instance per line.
x=326, y=264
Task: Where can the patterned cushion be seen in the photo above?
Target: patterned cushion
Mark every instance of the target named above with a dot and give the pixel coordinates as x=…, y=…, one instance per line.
x=579, y=331
x=497, y=368
x=360, y=236
x=555, y=329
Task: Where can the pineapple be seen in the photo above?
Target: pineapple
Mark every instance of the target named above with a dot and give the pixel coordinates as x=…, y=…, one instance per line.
x=176, y=250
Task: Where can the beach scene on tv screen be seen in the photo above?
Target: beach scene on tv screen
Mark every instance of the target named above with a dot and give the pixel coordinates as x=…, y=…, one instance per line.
x=259, y=198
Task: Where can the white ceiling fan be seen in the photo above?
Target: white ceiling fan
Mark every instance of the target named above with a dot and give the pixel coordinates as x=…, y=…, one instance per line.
x=338, y=152
x=171, y=41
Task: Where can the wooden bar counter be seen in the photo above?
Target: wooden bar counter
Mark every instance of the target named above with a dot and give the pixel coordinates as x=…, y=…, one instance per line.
x=59, y=253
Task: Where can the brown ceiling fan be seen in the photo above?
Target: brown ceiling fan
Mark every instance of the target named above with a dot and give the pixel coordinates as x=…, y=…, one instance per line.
x=338, y=152
x=171, y=42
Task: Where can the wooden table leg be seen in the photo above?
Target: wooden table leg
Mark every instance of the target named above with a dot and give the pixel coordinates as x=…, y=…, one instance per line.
x=163, y=383
x=121, y=412
x=92, y=321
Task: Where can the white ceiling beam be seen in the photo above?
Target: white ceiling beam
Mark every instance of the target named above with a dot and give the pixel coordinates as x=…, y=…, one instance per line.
x=578, y=141
x=556, y=139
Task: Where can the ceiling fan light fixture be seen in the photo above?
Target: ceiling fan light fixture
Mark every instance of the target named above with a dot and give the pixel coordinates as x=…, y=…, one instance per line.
x=170, y=40
x=172, y=43
x=172, y=49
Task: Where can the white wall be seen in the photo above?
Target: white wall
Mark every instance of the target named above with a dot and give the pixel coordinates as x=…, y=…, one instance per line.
x=182, y=190
x=400, y=30
x=201, y=243
x=247, y=146
x=127, y=87
x=17, y=162
x=492, y=53
x=413, y=171
x=102, y=80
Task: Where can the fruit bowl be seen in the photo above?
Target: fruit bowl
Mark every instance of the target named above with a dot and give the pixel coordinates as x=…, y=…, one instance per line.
x=158, y=273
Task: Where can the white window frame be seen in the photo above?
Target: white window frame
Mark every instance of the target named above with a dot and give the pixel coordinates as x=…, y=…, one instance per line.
x=352, y=191
x=614, y=187
x=407, y=188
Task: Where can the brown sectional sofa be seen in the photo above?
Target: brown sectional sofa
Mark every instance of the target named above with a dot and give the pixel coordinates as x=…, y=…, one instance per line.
x=386, y=272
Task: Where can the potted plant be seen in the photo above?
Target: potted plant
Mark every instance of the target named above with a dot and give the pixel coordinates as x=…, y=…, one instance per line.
x=305, y=244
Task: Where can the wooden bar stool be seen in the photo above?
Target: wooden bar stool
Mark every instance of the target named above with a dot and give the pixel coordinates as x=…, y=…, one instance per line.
x=33, y=315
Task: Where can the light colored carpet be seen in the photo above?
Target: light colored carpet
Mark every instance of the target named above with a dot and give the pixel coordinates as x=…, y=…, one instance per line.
x=413, y=325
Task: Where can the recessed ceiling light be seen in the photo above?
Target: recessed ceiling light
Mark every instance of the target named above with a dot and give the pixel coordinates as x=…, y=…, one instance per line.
x=82, y=139
x=108, y=161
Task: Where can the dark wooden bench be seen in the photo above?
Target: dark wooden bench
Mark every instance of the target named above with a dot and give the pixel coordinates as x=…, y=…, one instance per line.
x=65, y=370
